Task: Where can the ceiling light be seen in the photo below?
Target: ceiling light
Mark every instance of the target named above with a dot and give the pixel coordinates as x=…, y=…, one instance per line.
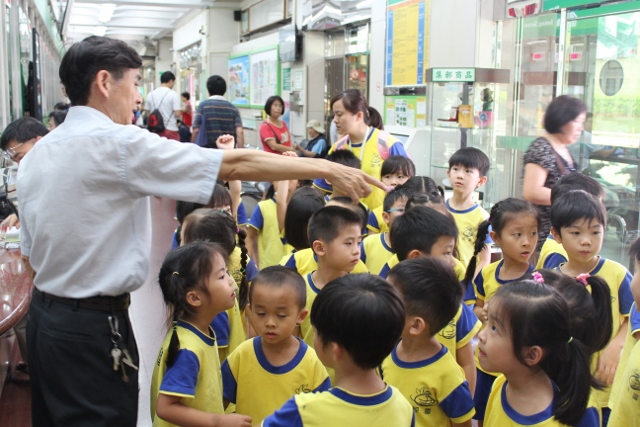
x=106, y=12
x=100, y=30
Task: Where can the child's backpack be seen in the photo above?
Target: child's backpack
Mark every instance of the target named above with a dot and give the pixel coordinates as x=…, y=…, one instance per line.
x=155, y=121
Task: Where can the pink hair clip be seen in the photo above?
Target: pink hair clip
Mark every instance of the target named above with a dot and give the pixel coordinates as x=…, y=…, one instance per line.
x=582, y=278
x=537, y=277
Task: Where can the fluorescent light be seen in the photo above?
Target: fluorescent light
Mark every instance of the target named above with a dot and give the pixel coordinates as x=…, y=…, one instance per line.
x=106, y=12
x=100, y=31
x=363, y=4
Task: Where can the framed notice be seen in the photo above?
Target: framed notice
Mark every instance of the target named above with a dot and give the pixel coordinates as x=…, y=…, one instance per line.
x=239, y=83
x=265, y=76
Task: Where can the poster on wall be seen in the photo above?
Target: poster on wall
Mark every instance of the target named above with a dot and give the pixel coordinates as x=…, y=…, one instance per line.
x=264, y=76
x=407, y=47
x=238, y=91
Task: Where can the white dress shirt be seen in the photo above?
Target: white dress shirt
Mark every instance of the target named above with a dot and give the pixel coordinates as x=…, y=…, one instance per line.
x=84, y=201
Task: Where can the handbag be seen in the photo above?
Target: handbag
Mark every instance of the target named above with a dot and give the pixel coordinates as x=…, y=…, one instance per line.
x=201, y=138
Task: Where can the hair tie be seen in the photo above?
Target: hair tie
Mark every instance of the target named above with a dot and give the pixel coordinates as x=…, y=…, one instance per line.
x=537, y=277
x=176, y=273
x=175, y=323
x=570, y=339
x=582, y=278
x=237, y=230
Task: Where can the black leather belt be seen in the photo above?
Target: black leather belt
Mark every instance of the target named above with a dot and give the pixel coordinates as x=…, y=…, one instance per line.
x=100, y=303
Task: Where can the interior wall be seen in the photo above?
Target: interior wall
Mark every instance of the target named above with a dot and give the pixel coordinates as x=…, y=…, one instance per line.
x=164, y=58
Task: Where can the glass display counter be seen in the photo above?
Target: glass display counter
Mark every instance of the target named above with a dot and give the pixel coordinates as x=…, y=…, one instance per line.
x=466, y=108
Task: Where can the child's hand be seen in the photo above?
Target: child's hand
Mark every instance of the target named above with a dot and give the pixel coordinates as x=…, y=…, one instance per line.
x=236, y=420
x=290, y=154
x=608, y=363
x=225, y=142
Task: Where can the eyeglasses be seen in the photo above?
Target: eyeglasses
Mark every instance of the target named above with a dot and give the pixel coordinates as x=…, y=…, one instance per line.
x=401, y=210
x=10, y=153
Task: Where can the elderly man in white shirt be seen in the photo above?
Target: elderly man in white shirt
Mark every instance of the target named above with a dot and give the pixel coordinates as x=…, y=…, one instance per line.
x=85, y=214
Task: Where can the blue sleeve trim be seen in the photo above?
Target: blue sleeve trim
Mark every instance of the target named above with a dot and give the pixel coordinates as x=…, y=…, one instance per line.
x=466, y=322
x=287, y=416
x=229, y=383
x=469, y=293
x=413, y=419
x=634, y=318
x=590, y=418
x=257, y=220
x=326, y=385
x=174, y=242
x=252, y=270
x=459, y=402
x=479, y=282
x=182, y=377
x=222, y=328
x=553, y=260
x=397, y=149
x=385, y=271
x=291, y=263
x=625, y=297
x=373, y=221
x=363, y=254
x=242, y=214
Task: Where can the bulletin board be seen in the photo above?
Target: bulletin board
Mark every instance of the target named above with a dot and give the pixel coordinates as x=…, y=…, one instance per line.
x=239, y=82
x=265, y=76
x=409, y=111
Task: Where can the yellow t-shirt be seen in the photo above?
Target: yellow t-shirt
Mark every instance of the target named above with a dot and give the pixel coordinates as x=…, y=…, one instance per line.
x=338, y=407
x=625, y=410
x=552, y=254
x=375, y=252
x=305, y=261
x=265, y=220
x=467, y=222
x=501, y=414
x=375, y=223
x=247, y=370
x=630, y=341
x=194, y=376
x=460, y=330
x=435, y=387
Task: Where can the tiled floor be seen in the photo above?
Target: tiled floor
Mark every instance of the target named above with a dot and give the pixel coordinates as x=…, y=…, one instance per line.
x=15, y=401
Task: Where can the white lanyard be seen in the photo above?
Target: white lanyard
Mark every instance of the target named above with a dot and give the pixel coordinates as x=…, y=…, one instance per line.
x=368, y=133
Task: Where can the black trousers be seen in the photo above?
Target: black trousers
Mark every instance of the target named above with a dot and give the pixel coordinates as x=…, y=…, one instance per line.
x=72, y=378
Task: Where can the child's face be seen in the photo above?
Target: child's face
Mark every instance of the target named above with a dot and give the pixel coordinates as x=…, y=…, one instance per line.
x=443, y=249
x=465, y=180
x=394, y=179
x=396, y=210
x=635, y=285
x=518, y=238
x=343, y=253
x=495, y=345
x=221, y=287
x=274, y=312
x=582, y=240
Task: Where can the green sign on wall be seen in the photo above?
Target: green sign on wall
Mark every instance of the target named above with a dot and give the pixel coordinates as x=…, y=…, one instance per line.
x=562, y=4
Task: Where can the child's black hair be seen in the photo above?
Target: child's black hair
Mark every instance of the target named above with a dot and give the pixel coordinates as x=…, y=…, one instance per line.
x=270, y=193
x=392, y=197
x=362, y=313
x=634, y=251
x=358, y=208
x=428, y=200
x=418, y=229
x=327, y=223
x=185, y=208
x=214, y=226
x=398, y=165
x=472, y=158
x=278, y=276
x=576, y=181
x=346, y=158
x=574, y=206
x=220, y=197
x=500, y=215
x=535, y=314
x=421, y=185
x=184, y=269
x=303, y=204
x=589, y=312
x=430, y=290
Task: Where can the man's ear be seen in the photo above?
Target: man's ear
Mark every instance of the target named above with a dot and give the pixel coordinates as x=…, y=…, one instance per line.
x=102, y=83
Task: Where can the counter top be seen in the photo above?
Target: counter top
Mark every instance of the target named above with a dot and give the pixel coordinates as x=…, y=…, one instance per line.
x=15, y=289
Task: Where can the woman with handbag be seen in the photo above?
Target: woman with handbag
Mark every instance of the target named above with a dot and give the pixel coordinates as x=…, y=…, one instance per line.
x=274, y=133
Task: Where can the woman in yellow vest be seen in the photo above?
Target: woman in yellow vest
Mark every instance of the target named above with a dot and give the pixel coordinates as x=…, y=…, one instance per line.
x=361, y=126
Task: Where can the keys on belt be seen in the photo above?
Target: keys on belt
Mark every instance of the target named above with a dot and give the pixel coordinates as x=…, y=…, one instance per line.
x=121, y=356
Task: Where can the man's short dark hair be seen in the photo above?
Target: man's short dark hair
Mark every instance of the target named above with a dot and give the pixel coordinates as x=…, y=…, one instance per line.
x=345, y=158
x=472, y=158
x=278, y=276
x=363, y=314
x=186, y=95
x=22, y=130
x=430, y=290
x=85, y=59
x=58, y=117
x=562, y=110
x=327, y=223
x=418, y=229
x=167, y=76
x=269, y=103
x=576, y=181
x=216, y=86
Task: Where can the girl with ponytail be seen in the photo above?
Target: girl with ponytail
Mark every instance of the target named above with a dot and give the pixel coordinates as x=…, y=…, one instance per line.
x=546, y=374
x=514, y=227
x=185, y=388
